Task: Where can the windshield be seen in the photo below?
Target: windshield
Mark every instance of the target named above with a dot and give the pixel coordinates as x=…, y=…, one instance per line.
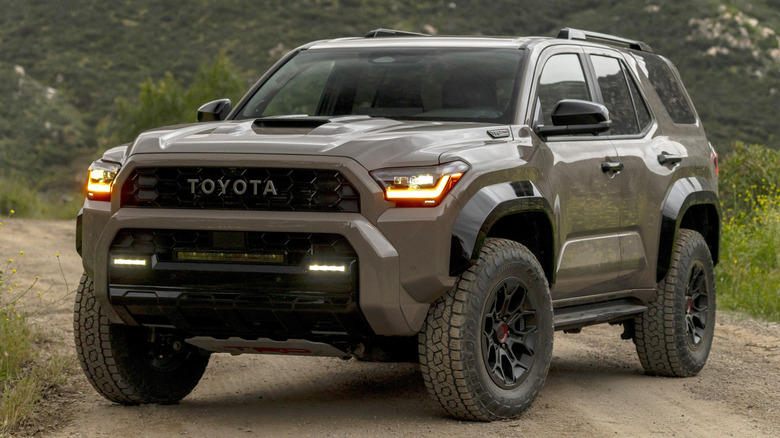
x=462, y=84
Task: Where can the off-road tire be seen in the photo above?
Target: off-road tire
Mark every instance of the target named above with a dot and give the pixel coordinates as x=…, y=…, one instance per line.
x=116, y=358
x=673, y=338
x=461, y=344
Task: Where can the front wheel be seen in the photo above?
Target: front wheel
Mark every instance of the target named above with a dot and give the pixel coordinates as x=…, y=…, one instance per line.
x=673, y=338
x=131, y=365
x=486, y=345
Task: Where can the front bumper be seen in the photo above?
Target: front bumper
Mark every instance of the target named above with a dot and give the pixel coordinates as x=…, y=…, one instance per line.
x=403, y=254
x=395, y=283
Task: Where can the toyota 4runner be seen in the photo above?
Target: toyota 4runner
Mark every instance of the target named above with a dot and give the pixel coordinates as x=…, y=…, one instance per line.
x=452, y=200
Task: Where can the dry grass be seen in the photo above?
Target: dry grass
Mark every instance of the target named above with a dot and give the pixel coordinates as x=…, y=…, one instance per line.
x=28, y=370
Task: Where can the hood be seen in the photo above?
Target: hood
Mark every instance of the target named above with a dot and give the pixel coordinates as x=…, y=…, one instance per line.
x=372, y=142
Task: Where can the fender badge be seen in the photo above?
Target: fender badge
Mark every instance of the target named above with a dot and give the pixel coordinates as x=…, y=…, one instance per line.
x=498, y=133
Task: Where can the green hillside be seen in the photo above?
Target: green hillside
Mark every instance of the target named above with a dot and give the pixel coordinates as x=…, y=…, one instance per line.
x=93, y=52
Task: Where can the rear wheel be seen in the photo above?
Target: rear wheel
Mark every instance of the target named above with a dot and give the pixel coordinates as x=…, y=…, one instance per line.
x=673, y=338
x=486, y=346
x=132, y=365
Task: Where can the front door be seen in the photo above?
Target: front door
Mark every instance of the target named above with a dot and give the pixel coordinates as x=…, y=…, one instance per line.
x=583, y=181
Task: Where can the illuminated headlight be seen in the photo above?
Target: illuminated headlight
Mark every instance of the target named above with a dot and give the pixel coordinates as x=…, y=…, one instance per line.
x=419, y=186
x=101, y=177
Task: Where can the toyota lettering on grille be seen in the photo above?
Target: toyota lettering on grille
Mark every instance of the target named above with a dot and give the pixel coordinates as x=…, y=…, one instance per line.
x=236, y=187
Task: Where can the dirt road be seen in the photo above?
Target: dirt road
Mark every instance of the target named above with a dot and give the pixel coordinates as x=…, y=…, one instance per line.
x=596, y=387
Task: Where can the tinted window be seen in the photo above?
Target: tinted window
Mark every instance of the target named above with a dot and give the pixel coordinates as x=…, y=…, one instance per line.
x=617, y=98
x=412, y=83
x=642, y=113
x=668, y=88
x=561, y=78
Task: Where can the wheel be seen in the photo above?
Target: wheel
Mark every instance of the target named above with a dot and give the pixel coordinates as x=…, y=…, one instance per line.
x=131, y=365
x=674, y=336
x=486, y=345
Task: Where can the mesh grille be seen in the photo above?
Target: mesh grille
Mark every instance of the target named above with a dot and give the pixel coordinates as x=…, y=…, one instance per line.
x=232, y=188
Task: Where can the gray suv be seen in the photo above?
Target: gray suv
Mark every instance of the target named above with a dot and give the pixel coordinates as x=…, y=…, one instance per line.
x=452, y=200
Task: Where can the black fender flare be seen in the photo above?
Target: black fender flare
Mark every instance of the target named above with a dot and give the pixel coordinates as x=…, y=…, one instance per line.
x=486, y=208
x=687, y=193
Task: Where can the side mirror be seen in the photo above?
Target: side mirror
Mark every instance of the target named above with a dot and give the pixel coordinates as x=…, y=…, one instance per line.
x=214, y=110
x=572, y=117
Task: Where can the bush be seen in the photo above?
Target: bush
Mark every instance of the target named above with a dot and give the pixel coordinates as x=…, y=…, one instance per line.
x=747, y=174
x=166, y=102
x=749, y=272
x=30, y=202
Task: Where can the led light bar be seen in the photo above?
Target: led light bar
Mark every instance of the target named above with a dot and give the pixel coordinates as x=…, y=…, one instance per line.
x=228, y=257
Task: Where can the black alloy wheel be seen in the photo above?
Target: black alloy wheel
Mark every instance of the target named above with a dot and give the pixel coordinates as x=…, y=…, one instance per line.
x=509, y=334
x=696, y=305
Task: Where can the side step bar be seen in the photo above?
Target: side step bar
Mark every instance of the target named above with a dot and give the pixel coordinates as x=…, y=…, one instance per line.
x=292, y=347
x=570, y=318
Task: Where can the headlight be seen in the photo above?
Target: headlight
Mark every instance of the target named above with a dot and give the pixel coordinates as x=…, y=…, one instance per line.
x=419, y=186
x=100, y=179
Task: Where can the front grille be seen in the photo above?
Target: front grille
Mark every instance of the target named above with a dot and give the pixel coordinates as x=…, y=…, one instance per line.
x=236, y=188
x=277, y=299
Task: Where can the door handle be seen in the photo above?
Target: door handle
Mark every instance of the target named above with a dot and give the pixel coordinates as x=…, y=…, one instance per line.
x=664, y=159
x=611, y=166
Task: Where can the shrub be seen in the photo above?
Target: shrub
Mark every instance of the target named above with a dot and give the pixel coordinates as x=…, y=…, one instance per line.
x=748, y=275
x=747, y=174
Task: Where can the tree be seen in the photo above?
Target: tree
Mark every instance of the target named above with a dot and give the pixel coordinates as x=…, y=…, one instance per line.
x=166, y=102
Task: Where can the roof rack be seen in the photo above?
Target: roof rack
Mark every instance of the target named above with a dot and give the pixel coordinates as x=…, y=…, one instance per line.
x=568, y=33
x=381, y=33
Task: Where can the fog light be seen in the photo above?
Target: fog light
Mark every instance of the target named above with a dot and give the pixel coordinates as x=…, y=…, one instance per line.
x=327, y=268
x=129, y=262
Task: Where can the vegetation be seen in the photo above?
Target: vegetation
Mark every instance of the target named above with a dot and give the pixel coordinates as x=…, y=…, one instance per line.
x=166, y=102
x=748, y=275
x=27, y=371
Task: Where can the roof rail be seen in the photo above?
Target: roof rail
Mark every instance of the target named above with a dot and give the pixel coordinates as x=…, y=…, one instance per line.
x=380, y=33
x=568, y=33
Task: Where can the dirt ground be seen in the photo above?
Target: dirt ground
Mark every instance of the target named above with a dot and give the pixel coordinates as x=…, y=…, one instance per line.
x=595, y=388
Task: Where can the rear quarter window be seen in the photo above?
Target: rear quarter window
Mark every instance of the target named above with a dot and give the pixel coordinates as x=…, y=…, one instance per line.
x=668, y=87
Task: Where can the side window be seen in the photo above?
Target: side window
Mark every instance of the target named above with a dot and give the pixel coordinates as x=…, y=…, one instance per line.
x=561, y=78
x=642, y=113
x=668, y=87
x=617, y=97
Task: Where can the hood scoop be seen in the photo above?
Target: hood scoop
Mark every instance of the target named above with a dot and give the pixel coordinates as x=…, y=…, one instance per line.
x=298, y=125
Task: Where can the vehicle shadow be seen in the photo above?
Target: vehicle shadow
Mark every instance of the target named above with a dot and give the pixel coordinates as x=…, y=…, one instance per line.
x=294, y=396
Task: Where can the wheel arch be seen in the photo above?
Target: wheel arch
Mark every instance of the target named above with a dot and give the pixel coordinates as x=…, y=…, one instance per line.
x=692, y=203
x=506, y=210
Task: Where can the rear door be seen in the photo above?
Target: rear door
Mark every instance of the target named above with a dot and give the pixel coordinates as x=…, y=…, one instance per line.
x=649, y=160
